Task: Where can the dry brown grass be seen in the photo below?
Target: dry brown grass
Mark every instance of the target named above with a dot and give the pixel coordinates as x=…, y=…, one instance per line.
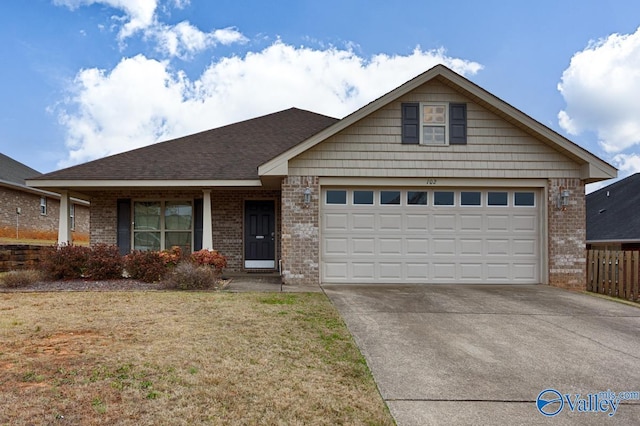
x=180, y=358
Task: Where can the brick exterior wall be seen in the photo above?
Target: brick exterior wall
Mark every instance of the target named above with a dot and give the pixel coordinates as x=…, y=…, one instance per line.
x=300, y=231
x=227, y=217
x=567, y=233
x=31, y=223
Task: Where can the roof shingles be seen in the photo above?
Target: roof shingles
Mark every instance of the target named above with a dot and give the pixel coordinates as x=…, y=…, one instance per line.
x=231, y=152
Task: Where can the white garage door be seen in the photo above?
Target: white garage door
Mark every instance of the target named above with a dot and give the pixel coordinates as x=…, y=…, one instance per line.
x=435, y=236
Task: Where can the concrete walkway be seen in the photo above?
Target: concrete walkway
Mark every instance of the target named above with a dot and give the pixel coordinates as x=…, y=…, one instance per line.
x=472, y=355
x=266, y=283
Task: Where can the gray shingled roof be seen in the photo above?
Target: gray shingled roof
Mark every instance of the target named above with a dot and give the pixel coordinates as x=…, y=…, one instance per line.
x=226, y=153
x=612, y=211
x=15, y=172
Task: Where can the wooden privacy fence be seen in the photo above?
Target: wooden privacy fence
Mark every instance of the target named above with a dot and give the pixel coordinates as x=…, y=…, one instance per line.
x=614, y=273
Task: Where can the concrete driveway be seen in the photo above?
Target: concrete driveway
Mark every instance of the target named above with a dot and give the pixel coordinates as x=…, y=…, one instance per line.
x=461, y=354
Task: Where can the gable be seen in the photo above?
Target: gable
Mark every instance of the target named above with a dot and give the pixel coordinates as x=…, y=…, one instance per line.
x=494, y=147
x=592, y=168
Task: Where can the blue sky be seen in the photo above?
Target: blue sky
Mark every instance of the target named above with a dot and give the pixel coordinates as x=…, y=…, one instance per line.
x=82, y=79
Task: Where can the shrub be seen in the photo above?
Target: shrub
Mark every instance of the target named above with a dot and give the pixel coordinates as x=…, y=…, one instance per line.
x=147, y=266
x=15, y=279
x=105, y=263
x=211, y=258
x=171, y=257
x=188, y=276
x=65, y=262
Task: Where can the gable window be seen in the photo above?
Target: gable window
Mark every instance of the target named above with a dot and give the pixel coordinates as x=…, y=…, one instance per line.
x=160, y=225
x=434, y=123
x=43, y=206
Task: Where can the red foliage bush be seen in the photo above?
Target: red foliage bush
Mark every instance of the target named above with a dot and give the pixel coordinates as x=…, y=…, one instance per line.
x=212, y=258
x=64, y=262
x=104, y=263
x=147, y=266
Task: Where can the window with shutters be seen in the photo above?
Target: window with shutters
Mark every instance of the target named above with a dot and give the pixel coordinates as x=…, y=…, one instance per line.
x=434, y=123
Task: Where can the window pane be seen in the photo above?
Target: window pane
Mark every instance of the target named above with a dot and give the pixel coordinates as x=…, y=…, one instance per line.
x=180, y=239
x=336, y=197
x=443, y=198
x=470, y=198
x=433, y=135
x=146, y=215
x=417, y=198
x=177, y=215
x=497, y=199
x=362, y=197
x=525, y=199
x=390, y=197
x=146, y=241
x=434, y=114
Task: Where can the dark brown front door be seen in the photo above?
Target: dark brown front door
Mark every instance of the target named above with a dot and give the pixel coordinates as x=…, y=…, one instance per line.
x=259, y=234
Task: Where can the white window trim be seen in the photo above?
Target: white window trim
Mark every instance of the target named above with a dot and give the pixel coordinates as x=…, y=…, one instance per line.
x=43, y=206
x=446, y=123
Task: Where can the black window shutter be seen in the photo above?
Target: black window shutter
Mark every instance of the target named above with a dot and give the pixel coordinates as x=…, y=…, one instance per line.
x=411, y=123
x=198, y=205
x=124, y=225
x=457, y=124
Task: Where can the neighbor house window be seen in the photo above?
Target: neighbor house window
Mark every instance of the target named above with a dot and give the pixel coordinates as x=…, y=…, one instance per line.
x=43, y=206
x=160, y=225
x=72, y=216
x=434, y=124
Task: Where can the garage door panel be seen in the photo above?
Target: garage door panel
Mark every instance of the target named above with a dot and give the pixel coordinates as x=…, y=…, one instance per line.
x=429, y=244
x=390, y=246
x=417, y=246
x=524, y=247
x=336, y=221
x=390, y=271
x=417, y=271
x=497, y=223
x=363, y=270
x=335, y=271
x=497, y=247
x=444, y=222
x=363, y=221
x=390, y=222
x=443, y=272
x=471, y=223
x=444, y=247
x=470, y=247
x=362, y=246
x=523, y=223
x=417, y=222
x=471, y=271
x=336, y=246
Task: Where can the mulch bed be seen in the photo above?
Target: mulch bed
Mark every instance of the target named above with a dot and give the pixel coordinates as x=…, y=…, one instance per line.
x=86, y=285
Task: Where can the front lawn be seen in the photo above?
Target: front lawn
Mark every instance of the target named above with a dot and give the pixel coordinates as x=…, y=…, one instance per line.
x=180, y=358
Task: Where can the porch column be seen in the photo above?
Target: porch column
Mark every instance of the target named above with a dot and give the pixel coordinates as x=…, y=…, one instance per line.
x=64, y=228
x=207, y=231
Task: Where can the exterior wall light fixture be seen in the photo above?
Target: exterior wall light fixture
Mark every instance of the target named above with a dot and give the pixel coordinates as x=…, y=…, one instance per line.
x=307, y=196
x=563, y=199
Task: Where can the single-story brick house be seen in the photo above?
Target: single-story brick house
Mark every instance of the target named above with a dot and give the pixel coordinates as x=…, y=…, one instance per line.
x=27, y=212
x=612, y=220
x=437, y=181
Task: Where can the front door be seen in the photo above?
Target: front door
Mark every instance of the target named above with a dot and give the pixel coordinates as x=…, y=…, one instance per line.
x=259, y=234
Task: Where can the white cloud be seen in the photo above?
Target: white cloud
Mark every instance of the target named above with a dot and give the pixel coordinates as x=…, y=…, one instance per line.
x=139, y=14
x=142, y=101
x=601, y=87
x=183, y=40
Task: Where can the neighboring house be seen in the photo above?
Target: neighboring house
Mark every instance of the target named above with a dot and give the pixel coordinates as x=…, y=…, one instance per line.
x=612, y=219
x=438, y=181
x=32, y=213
